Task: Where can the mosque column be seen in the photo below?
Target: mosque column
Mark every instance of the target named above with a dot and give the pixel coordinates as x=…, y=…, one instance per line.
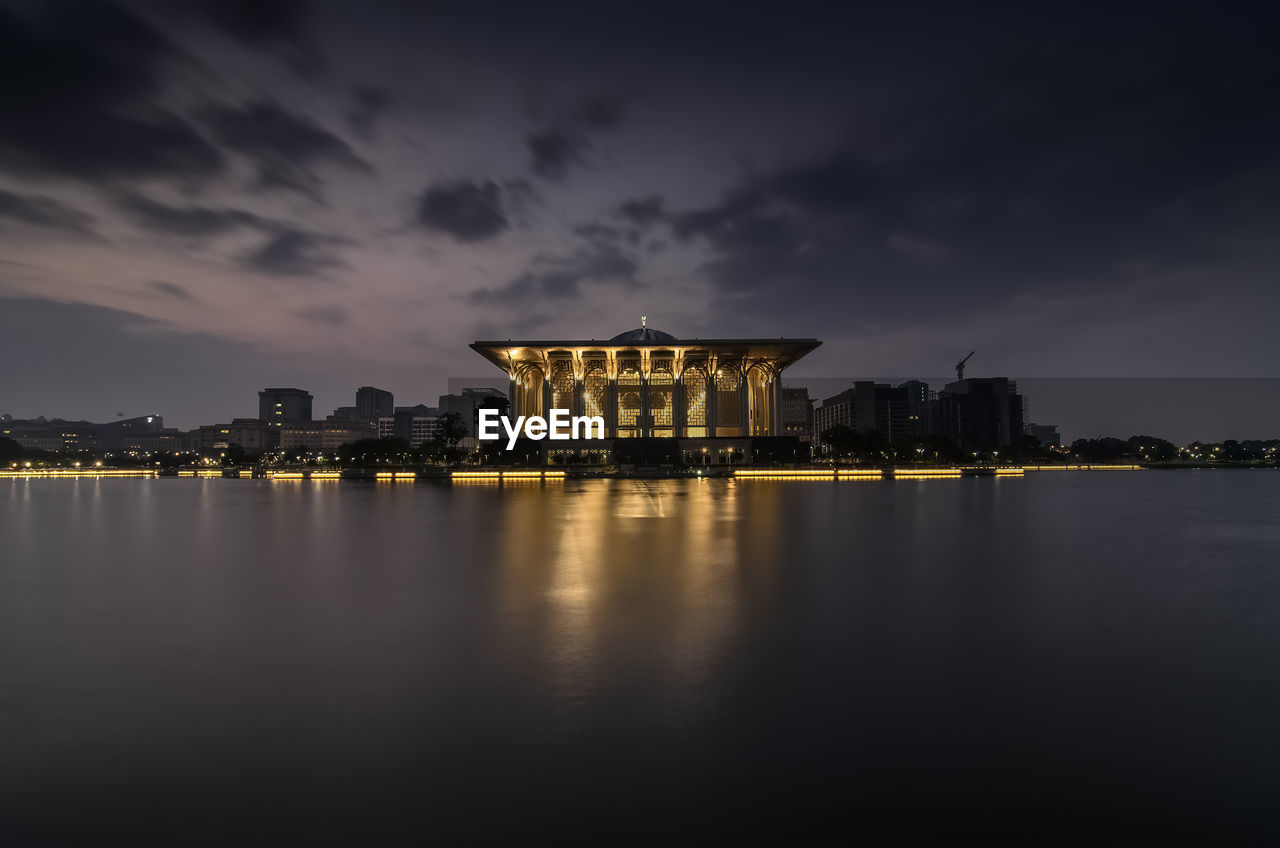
x=611, y=408
x=545, y=398
x=775, y=389
x=579, y=402
x=678, y=424
x=646, y=417
x=744, y=388
x=713, y=402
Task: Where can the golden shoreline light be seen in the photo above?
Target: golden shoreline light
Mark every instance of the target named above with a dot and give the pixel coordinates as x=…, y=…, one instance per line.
x=535, y=475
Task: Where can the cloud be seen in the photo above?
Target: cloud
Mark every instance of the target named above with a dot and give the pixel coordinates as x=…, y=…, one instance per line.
x=296, y=253
x=598, y=112
x=280, y=26
x=82, y=84
x=285, y=148
x=369, y=105
x=1051, y=178
x=172, y=290
x=45, y=213
x=186, y=221
x=469, y=211
x=205, y=376
x=562, y=277
x=644, y=211
x=555, y=149
x=331, y=316
x=597, y=231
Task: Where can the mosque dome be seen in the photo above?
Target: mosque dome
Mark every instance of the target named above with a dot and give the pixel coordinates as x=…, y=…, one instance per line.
x=644, y=334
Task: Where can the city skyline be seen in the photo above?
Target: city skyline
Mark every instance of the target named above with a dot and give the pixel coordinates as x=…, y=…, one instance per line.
x=324, y=195
x=1080, y=408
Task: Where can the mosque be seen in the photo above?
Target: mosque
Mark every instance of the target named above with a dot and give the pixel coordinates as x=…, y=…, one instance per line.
x=718, y=399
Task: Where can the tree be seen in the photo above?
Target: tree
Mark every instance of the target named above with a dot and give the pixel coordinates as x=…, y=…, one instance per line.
x=10, y=450
x=841, y=439
x=374, y=451
x=1105, y=449
x=235, y=455
x=450, y=429
x=1152, y=448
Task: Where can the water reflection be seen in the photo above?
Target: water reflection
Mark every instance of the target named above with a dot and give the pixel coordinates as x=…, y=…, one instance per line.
x=267, y=661
x=641, y=570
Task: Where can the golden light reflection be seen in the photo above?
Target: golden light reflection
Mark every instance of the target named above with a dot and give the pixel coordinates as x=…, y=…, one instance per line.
x=579, y=565
x=926, y=474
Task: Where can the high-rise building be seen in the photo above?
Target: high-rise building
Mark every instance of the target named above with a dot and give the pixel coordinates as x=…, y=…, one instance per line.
x=979, y=413
x=252, y=434
x=412, y=424
x=467, y=404
x=372, y=404
x=282, y=406
x=894, y=412
x=797, y=413
x=917, y=407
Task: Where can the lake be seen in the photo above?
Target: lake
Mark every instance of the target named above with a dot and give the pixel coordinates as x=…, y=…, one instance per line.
x=232, y=662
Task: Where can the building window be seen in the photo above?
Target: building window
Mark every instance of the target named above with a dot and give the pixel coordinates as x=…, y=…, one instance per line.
x=595, y=384
x=694, y=381
x=629, y=401
x=728, y=400
x=662, y=398
x=562, y=384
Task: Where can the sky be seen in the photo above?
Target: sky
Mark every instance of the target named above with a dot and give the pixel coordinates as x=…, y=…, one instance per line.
x=201, y=199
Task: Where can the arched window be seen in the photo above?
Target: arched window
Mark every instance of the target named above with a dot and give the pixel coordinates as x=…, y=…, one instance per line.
x=758, y=407
x=595, y=383
x=662, y=385
x=529, y=381
x=562, y=384
x=630, y=402
x=694, y=381
x=728, y=401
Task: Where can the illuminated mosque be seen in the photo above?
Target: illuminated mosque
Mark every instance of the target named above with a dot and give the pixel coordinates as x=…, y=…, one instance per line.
x=717, y=397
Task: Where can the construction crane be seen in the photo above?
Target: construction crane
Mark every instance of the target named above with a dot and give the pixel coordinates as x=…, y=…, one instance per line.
x=960, y=366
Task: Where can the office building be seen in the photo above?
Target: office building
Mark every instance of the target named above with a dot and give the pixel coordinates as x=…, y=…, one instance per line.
x=372, y=404
x=282, y=406
x=797, y=413
x=979, y=413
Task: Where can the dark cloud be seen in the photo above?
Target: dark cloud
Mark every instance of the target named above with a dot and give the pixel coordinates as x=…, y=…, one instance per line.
x=597, y=231
x=598, y=112
x=331, y=316
x=555, y=149
x=186, y=221
x=172, y=290
x=644, y=211
x=44, y=213
x=369, y=105
x=1042, y=175
x=469, y=211
x=285, y=147
x=81, y=86
x=562, y=277
x=296, y=253
x=187, y=371
x=281, y=26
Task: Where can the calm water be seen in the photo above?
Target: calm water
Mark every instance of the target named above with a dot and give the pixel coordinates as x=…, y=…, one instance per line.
x=245, y=662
